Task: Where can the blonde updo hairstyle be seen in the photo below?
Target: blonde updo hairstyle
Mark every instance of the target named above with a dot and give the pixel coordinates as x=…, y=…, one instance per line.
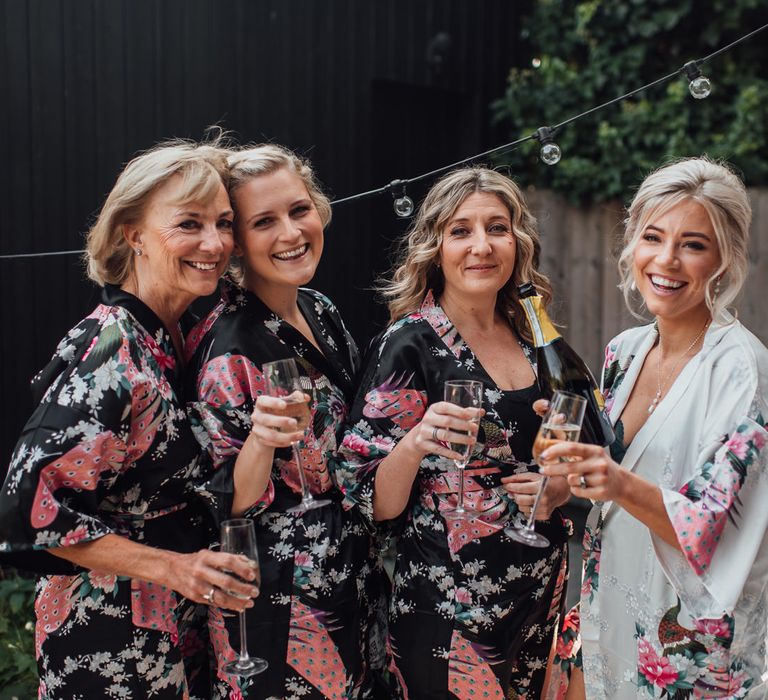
x=254, y=161
x=202, y=168
x=417, y=271
x=722, y=194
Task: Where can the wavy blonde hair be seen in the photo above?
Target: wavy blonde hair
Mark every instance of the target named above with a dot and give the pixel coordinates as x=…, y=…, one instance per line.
x=416, y=270
x=249, y=162
x=203, y=169
x=717, y=188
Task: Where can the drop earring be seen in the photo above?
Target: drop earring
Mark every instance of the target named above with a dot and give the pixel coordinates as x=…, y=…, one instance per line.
x=717, y=289
x=633, y=286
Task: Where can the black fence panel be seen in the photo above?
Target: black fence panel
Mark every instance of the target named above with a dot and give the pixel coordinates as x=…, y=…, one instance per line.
x=369, y=90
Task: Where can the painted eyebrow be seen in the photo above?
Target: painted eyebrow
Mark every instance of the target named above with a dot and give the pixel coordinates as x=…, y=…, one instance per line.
x=685, y=234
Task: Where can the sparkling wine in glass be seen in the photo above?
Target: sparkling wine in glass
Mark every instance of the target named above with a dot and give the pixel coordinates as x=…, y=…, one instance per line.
x=283, y=380
x=561, y=424
x=468, y=394
x=239, y=537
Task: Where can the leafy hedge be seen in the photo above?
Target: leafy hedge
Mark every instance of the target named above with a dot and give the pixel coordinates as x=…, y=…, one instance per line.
x=590, y=51
x=18, y=671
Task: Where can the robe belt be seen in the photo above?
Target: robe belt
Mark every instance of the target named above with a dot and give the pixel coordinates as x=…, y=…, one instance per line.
x=129, y=517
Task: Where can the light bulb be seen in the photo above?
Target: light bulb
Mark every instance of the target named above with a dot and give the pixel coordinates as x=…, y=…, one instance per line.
x=403, y=206
x=700, y=87
x=698, y=84
x=550, y=153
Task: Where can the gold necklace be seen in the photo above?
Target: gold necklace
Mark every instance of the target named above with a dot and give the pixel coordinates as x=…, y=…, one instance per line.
x=663, y=383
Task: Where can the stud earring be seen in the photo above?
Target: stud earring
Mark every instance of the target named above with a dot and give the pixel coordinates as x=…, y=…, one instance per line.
x=139, y=252
x=633, y=286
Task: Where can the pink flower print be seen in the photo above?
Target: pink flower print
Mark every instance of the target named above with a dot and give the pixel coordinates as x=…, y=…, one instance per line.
x=382, y=443
x=304, y=560
x=463, y=596
x=355, y=443
x=564, y=649
x=661, y=673
x=106, y=582
x=759, y=439
x=74, y=536
x=572, y=620
x=90, y=347
x=718, y=628
x=163, y=360
x=610, y=355
x=235, y=694
x=738, y=444
x=646, y=653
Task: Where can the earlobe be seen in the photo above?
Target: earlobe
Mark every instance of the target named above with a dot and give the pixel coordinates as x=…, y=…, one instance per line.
x=133, y=236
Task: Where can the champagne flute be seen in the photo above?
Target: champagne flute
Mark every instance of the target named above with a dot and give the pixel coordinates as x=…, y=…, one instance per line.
x=284, y=381
x=562, y=423
x=239, y=537
x=465, y=393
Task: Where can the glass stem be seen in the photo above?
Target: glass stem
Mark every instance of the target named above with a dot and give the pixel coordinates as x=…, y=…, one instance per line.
x=306, y=494
x=460, y=467
x=532, y=516
x=244, y=658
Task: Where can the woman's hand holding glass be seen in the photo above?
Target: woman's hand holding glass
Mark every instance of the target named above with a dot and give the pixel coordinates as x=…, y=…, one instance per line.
x=444, y=424
x=589, y=470
x=215, y=578
x=269, y=424
x=524, y=488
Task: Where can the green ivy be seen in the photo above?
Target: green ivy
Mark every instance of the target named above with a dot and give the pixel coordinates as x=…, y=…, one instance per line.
x=18, y=670
x=591, y=51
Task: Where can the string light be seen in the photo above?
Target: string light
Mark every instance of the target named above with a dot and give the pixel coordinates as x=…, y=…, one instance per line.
x=698, y=85
x=549, y=152
x=403, y=204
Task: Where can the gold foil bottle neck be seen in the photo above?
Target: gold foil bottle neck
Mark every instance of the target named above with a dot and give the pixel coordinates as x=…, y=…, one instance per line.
x=541, y=327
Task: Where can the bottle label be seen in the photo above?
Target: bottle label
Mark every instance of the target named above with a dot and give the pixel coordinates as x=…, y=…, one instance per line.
x=541, y=327
x=599, y=398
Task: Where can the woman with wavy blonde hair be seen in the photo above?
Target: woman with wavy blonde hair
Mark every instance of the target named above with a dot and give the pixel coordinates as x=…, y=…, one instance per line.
x=674, y=590
x=473, y=612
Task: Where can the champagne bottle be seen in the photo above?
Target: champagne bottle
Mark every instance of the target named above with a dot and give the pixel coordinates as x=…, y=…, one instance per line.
x=559, y=367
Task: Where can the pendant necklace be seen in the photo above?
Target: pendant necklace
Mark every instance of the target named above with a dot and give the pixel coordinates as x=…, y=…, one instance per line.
x=662, y=383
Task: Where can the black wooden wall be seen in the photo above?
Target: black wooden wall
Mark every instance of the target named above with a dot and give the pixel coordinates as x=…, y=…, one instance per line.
x=368, y=89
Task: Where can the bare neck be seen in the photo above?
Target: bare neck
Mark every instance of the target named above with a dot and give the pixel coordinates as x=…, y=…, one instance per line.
x=470, y=314
x=677, y=335
x=281, y=300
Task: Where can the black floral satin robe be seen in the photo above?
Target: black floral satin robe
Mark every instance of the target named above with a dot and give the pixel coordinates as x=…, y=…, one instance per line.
x=322, y=580
x=473, y=613
x=109, y=450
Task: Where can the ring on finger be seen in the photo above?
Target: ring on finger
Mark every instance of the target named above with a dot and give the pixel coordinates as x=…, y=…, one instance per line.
x=583, y=482
x=434, y=434
x=208, y=597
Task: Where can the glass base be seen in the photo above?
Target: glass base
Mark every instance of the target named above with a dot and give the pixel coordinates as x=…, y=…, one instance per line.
x=460, y=514
x=310, y=504
x=245, y=668
x=526, y=536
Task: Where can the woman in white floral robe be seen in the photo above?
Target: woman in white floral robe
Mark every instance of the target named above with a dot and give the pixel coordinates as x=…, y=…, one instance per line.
x=673, y=602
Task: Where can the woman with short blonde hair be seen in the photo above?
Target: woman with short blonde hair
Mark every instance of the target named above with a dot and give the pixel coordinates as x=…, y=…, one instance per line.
x=98, y=497
x=315, y=622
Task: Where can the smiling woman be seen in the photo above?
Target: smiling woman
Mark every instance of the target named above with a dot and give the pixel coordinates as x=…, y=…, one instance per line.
x=315, y=621
x=98, y=497
x=673, y=597
x=473, y=613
